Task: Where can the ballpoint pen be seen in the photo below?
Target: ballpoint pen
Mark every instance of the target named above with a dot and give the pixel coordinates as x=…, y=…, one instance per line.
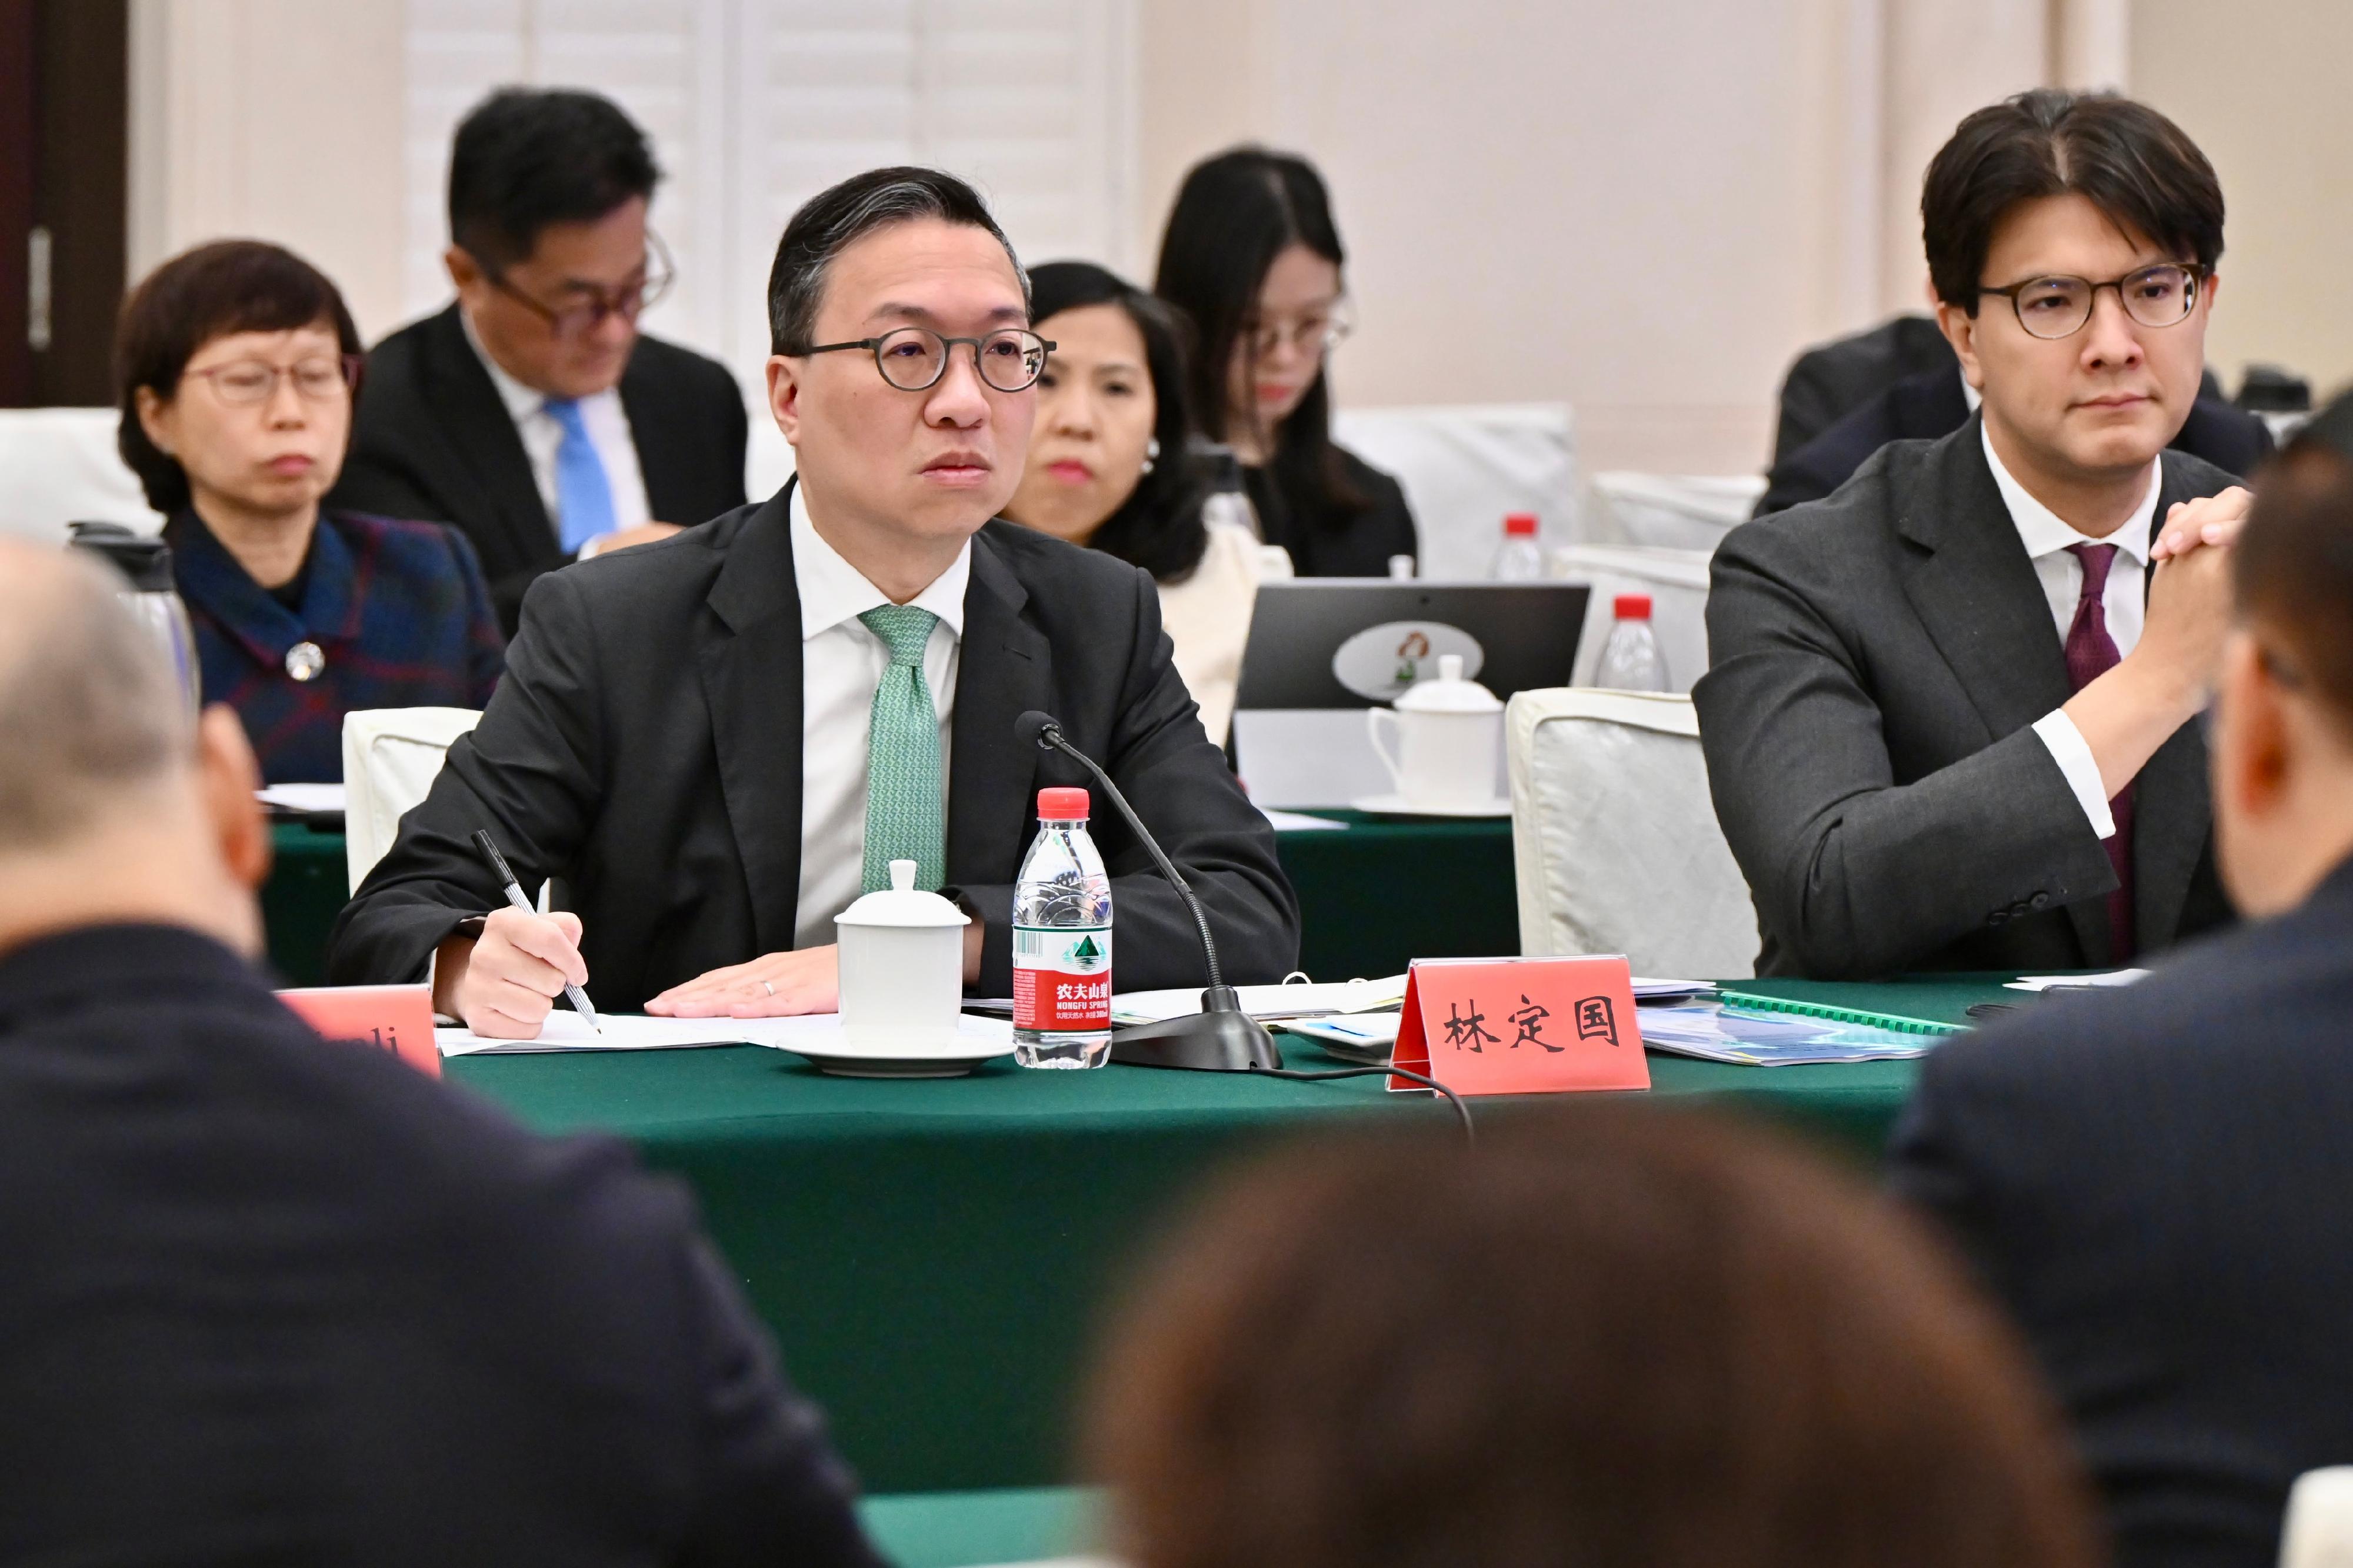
x=513, y=889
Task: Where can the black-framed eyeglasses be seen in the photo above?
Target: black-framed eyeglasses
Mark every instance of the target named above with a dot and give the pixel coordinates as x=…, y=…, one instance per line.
x=593, y=304
x=912, y=358
x=2057, y=307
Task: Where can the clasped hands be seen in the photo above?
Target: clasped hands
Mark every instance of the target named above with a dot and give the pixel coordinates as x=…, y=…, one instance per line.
x=503, y=984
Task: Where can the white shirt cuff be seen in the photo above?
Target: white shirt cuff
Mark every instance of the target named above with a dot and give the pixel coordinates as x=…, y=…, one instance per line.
x=2073, y=756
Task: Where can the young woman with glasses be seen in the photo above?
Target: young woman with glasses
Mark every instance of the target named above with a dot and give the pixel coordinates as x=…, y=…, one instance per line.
x=1252, y=256
x=234, y=366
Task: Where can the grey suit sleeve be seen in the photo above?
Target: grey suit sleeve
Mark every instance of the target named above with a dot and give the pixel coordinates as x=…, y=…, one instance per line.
x=1179, y=784
x=1857, y=874
x=527, y=772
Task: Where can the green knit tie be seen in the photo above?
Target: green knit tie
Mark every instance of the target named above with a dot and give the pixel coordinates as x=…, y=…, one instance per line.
x=905, y=814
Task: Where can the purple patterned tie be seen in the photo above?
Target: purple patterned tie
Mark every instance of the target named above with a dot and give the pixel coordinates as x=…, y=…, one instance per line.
x=2091, y=653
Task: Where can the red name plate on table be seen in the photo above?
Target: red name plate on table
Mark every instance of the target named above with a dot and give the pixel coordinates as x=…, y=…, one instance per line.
x=1521, y=1025
x=395, y=1018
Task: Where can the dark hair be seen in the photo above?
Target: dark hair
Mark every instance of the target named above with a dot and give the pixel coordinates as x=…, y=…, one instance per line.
x=229, y=286
x=1159, y=526
x=2125, y=158
x=2293, y=567
x=1613, y=1336
x=525, y=158
x=836, y=218
x=1234, y=215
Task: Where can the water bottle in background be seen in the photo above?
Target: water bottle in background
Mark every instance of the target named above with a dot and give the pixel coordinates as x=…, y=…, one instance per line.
x=1401, y=568
x=1061, y=942
x=1630, y=660
x=1519, y=559
x=145, y=561
x=1228, y=499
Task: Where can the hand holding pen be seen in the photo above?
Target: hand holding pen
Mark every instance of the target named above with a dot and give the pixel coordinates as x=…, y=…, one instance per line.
x=520, y=961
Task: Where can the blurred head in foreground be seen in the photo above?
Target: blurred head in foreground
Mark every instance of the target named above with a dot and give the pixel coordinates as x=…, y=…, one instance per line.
x=112, y=808
x=1609, y=1337
x=2282, y=739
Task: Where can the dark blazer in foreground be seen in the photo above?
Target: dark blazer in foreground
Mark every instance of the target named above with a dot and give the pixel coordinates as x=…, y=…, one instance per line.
x=1929, y=404
x=646, y=747
x=432, y=440
x=1876, y=661
x=1831, y=380
x=397, y=609
x=2159, y=1185
x=270, y=1298
x=1328, y=542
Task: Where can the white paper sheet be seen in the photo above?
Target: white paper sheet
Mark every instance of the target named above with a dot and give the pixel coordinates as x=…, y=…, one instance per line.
x=2045, y=982
x=303, y=796
x=1300, y=822
x=567, y=1031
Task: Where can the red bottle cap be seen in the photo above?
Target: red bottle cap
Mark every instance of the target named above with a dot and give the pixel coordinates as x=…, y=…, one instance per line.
x=1520, y=525
x=1632, y=606
x=1063, y=805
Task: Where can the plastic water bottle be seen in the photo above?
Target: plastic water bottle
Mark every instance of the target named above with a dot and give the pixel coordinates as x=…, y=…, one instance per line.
x=1519, y=559
x=1061, y=942
x=1630, y=660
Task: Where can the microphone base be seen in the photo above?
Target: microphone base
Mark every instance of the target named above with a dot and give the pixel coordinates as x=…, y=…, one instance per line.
x=1226, y=1040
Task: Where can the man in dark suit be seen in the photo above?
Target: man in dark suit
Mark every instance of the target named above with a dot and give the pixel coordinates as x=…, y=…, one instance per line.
x=1948, y=717
x=1831, y=380
x=2157, y=1181
x=719, y=741
x=532, y=412
x=1933, y=403
x=275, y=1299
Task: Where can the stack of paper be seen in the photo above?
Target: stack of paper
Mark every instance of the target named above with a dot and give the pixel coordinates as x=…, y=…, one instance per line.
x=1716, y=1033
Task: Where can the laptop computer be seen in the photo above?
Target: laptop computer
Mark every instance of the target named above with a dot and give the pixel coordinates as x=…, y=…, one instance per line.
x=1322, y=650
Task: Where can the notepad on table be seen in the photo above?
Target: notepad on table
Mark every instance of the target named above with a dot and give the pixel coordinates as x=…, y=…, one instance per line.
x=1720, y=1031
x=568, y=1031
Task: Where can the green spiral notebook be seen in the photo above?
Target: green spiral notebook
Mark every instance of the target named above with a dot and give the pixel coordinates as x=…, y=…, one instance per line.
x=1898, y=1022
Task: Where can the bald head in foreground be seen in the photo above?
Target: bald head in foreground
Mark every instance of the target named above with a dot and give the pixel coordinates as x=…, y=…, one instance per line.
x=270, y=1298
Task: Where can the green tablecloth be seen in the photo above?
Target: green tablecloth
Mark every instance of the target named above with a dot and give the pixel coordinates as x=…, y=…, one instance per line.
x=932, y=1254
x=1383, y=891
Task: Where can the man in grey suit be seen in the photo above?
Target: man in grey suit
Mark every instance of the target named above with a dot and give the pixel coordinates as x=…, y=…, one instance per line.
x=1949, y=715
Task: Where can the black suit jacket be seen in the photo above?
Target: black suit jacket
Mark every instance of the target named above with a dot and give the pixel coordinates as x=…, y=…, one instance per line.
x=1330, y=542
x=273, y=1299
x=646, y=747
x=1831, y=380
x=431, y=441
x=1876, y=661
x=2159, y=1183
x=1931, y=403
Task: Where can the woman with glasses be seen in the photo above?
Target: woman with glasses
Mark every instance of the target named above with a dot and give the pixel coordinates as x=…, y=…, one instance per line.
x=1252, y=256
x=234, y=367
x=1107, y=469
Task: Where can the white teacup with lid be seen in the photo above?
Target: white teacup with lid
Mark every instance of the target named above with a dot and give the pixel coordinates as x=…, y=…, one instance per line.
x=902, y=967
x=1449, y=732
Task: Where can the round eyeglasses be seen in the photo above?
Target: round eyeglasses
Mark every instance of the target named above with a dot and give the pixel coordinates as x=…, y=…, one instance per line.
x=912, y=358
x=1317, y=332
x=240, y=384
x=2159, y=296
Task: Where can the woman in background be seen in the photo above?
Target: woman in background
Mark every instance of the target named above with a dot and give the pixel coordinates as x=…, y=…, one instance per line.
x=234, y=367
x=1610, y=1336
x=1108, y=470
x=1252, y=256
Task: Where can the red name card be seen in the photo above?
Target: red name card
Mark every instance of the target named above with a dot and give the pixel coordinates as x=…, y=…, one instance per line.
x=395, y=1018
x=1521, y=1025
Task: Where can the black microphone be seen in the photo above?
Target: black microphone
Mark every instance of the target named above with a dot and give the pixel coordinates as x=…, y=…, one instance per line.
x=1220, y=1038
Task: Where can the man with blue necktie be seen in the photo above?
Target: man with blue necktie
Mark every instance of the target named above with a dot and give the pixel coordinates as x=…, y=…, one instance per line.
x=532, y=413
x=718, y=741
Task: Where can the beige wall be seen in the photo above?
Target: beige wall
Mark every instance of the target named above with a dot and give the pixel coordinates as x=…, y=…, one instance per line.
x=2263, y=90
x=274, y=119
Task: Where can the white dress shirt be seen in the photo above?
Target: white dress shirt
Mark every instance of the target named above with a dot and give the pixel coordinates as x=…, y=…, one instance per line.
x=602, y=416
x=2047, y=537
x=841, y=664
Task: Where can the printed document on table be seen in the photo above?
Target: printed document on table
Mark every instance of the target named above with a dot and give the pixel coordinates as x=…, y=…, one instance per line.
x=566, y=1030
x=2046, y=982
